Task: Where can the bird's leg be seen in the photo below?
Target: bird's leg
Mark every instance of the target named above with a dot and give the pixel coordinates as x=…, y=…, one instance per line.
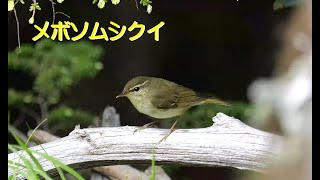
x=171, y=130
x=144, y=126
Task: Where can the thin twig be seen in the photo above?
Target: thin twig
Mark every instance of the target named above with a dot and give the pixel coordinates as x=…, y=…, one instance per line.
x=136, y=4
x=63, y=14
x=18, y=29
x=34, y=10
x=34, y=130
x=16, y=2
x=53, y=11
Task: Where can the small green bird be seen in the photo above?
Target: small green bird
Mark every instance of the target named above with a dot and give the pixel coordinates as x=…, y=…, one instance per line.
x=162, y=99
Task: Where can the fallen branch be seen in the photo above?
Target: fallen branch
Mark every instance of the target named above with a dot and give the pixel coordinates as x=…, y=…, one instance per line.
x=228, y=143
x=120, y=172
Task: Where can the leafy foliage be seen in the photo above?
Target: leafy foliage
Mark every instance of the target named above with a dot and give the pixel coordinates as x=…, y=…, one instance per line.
x=19, y=99
x=55, y=67
x=147, y=3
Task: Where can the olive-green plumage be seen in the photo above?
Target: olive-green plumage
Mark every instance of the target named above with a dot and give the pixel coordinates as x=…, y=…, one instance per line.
x=160, y=98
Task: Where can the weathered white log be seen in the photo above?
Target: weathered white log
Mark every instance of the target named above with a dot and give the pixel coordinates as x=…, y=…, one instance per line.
x=119, y=172
x=228, y=143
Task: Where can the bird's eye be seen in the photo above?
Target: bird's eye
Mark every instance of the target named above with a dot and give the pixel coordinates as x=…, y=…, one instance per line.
x=136, y=89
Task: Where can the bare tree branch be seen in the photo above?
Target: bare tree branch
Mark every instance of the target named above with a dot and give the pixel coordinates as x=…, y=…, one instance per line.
x=121, y=172
x=228, y=143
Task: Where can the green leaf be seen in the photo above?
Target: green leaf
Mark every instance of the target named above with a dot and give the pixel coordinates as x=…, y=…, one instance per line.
x=145, y=2
x=10, y=5
x=16, y=98
x=31, y=20
x=34, y=6
x=31, y=8
x=59, y=164
x=115, y=2
x=102, y=3
x=149, y=9
x=29, y=138
x=16, y=170
x=27, y=165
x=30, y=167
x=153, y=167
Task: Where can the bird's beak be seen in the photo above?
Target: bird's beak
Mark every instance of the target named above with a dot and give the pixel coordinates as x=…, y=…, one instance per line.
x=121, y=95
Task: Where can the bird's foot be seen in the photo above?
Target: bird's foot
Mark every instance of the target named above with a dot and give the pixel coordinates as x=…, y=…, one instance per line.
x=144, y=126
x=166, y=136
x=171, y=130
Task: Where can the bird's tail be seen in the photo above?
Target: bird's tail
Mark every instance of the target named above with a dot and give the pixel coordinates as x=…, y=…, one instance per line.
x=216, y=101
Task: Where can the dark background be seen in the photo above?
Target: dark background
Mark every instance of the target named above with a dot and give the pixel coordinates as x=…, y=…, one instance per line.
x=214, y=46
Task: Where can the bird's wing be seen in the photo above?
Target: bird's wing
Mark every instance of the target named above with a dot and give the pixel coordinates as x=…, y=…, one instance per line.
x=175, y=97
x=165, y=100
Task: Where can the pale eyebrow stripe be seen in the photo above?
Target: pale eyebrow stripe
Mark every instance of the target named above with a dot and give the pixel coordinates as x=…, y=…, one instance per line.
x=139, y=85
